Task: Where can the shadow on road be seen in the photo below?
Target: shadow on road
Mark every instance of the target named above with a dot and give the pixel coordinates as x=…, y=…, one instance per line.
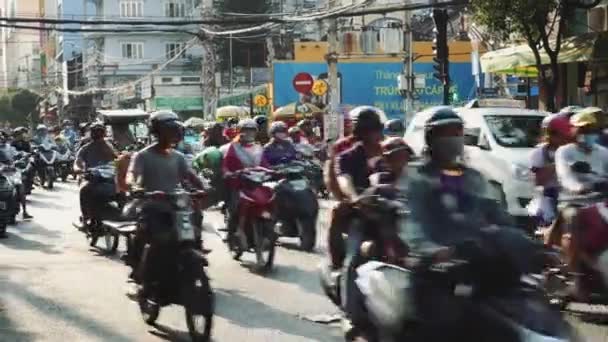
x=69, y=315
x=37, y=229
x=47, y=203
x=252, y=314
x=8, y=330
x=307, y=280
x=169, y=334
x=15, y=241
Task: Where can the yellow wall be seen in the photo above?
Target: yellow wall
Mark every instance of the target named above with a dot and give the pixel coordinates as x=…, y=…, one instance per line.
x=315, y=52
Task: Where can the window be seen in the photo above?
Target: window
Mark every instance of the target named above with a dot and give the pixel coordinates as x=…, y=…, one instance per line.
x=173, y=49
x=131, y=9
x=133, y=50
x=167, y=80
x=175, y=9
x=191, y=79
x=516, y=130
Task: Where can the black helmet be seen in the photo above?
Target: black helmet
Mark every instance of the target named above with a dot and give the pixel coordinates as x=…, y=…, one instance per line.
x=66, y=123
x=260, y=120
x=19, y=130
x=368, y=120
x=163, y=119
x=440, y=116
x=233, y=121
x=395, y=144
x=97, y=126
x=394, y=127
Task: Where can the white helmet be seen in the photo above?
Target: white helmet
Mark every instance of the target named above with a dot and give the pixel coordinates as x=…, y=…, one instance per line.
x=247, y=124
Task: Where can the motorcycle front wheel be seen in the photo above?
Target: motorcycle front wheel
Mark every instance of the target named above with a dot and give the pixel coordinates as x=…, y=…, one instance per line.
x=149, y=309
x=199, y=320
x=264, y=238
x=307, y=229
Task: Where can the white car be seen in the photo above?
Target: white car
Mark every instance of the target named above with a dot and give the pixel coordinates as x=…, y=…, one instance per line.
x=498, y=141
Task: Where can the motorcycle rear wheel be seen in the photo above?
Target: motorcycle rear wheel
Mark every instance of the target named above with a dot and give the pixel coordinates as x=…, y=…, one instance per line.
x=264, y=239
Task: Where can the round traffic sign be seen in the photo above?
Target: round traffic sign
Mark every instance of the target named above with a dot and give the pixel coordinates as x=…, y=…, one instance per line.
x=303, y=82
x=320, y=87
x=260, y=100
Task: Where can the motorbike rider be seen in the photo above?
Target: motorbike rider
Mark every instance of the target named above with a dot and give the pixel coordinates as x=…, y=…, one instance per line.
x=209, y=160
x=68, y=132
x=308, y=133
x=280, y=149
x=42, y=136
x=244, y=152
x=20, y=143
x=95, y=153
x=451, y=203
x=394, y=128
x=9, y=153
x=262, y=134
x=160, y=167
x=396, y=155
x=558, y=132
x=340, y=213
x=231, y=130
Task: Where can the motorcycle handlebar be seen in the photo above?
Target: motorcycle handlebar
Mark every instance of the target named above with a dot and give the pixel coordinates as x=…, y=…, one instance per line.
x=163, y=194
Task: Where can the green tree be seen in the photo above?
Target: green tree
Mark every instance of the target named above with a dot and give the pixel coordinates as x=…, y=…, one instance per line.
x=537, y=21
x=24, y=103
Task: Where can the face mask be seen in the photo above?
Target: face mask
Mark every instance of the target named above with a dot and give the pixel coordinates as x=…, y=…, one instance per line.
x=588, y=139
x=248, y=137
x=281, y=136
x=448, y=148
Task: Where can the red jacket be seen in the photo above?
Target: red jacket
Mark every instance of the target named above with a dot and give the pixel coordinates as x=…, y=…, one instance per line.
x=239, y=157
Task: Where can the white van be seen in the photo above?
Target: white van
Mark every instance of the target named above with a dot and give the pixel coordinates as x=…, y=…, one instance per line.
x=498, y=144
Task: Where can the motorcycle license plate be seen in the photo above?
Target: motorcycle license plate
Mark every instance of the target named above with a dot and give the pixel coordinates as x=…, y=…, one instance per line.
x=2, y=205
x=299, y=184
x=184, y=229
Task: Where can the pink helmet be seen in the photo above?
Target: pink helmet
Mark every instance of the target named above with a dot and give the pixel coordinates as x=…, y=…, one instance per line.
x=558, y=123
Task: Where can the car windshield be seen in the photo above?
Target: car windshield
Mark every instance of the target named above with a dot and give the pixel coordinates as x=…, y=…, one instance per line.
x=515, y=130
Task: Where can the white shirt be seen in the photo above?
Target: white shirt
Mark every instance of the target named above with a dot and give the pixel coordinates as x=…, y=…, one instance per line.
x=538, y=160
x=567, y=155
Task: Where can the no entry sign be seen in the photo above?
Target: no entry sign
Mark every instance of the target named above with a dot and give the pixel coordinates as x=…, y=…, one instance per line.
x=303, y=82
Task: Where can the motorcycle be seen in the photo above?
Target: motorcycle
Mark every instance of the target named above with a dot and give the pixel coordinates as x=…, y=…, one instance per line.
x=382, y=210
x=11, y=204
x=172, y=267
x=297, y=206
x=256, y=219
x=106, y=207
x=46, y=158
x=65, y=163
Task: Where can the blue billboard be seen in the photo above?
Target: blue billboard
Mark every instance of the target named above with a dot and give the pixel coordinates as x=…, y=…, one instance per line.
x=374, y=84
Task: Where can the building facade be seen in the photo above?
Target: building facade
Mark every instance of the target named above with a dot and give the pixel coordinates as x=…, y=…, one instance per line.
x=112, y=60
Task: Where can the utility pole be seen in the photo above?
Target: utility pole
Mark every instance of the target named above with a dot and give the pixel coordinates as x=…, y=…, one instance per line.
x=333, y=117
x=208, y=65
x=231, y=66
x=442, y=52
x=408, y=65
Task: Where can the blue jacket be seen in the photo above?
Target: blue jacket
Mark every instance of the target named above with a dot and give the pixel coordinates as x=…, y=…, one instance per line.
x=279, y=152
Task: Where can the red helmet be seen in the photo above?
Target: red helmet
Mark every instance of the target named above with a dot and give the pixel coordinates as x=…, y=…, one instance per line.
x=558, y=124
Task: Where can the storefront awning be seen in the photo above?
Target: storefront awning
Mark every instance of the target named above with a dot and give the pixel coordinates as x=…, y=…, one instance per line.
x=519, y=60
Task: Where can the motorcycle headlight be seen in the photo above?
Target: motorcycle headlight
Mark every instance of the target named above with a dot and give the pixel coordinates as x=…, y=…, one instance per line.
x=521, y=172
x=182, y=202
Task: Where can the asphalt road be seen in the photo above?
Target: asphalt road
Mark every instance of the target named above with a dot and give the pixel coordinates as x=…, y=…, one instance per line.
x=54, y=287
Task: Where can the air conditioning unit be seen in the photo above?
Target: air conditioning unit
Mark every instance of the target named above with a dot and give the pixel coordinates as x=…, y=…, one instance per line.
x=597, y=19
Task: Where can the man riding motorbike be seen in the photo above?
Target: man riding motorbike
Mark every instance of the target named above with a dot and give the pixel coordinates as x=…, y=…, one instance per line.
x=20, y=143
x=396, y=155
x=280, y=149
x=586, y=151
x=558, y=132
x=451, y=203
x=368, y=133
x=159, y=167
x=9, y=153
x=262, y=134
x=42, y=135
x=96, y=153
x=231, y=130
x=241, y=154
x=68, y=132
x=308, y=133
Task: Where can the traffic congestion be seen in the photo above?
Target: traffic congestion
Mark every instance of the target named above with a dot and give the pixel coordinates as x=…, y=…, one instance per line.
x=416, y=237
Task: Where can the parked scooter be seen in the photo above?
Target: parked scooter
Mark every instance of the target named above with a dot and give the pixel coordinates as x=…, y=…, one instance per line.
x=9, y=205
x=297, y=205
x=46, y=157
x=256, y=219
x=172, y=267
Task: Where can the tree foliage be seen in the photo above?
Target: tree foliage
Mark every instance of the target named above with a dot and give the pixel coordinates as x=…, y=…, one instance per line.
x=541, y=23
x=17, y=107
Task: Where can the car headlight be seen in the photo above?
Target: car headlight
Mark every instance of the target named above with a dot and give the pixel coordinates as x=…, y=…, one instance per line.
x=521, y=172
